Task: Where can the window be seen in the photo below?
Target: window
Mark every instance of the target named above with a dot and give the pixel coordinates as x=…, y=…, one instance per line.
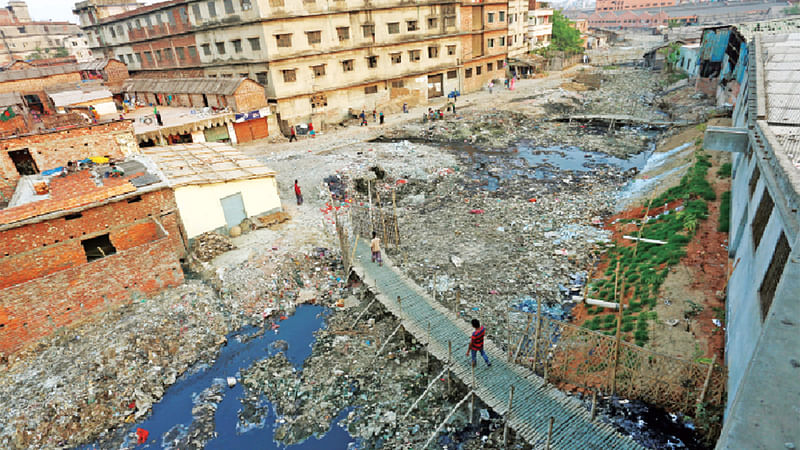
x=289, y=75
x=393, y=27
x=468, y=73
x=489, y=67
x=314, y=37
x=98, y=247
x=478, y=70
x=432, y=22
x=196, y=12
x=411, y=25
x=284, y=40
x=450, y=21
x=413, y=55
x=255, y=43
x=168, y=54
x=491, y=43
x=192, y=52
x=206, y=49
x=452, y=74
x=228, y=6
x=184, y=17
x=113, y=33
x=157, y=19
x=319, y=71
x=237, y=45
x=348, y=65
x=244, y=75
x=433, y=52
x=371, y=89
x=138, y=24
x=212, y=9
x=451, y=50
x=343, y=33
x=490, y=18
x=158, y=55
x=754, y=179
x=761, y=218
x=276, y=3
x=397, y=58
x=220, y=47
x=368, y=31
x=171, y=18
x=398, y=84
x=261, y=77
x=246, y=5
x=502, y=41
x=501, y=16
x=181, y=53
x=127, y=24
x=227, y=75
x=770, y=283
x=372, y=62
x=139, y=58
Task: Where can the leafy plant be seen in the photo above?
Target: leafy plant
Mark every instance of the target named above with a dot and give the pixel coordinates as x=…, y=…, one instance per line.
x=725, y=212
x=725, y=170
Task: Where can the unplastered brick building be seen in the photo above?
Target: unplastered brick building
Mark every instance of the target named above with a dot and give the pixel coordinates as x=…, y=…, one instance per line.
x=72, y=245
x=35, y=153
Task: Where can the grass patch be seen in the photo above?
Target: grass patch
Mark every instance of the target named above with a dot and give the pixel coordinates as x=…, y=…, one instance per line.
x=725, y=212
x=725, y=170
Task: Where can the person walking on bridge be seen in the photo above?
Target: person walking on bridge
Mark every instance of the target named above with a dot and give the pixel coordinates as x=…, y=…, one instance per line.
x=375, y=246
x=476, y=343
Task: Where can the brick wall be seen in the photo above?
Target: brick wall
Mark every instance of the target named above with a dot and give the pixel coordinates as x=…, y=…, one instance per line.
x=13, y=126
x=50, y=150
x=39, y=84
x=116, y=73
x=33, y=310
x=48, y=283
x=249, y=97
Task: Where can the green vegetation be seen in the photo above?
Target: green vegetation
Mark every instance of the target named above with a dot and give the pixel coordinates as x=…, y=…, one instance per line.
x=565, y=38
x=643, y=269
x=792, y=10
x=725, y=212
x=49, y=53
x=725, y=170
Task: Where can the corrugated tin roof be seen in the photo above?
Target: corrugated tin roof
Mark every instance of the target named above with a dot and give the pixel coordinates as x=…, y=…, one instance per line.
x=205, y=163
x=97, y=64
x=219, y=86
x=37, y=72
x=66, y=98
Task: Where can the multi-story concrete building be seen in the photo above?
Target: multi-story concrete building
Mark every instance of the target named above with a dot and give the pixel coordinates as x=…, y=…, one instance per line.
x=22, y=38
x=517, y=28
x=540, y=24
x=316, y=60
x=762, y=306
x=622, y=5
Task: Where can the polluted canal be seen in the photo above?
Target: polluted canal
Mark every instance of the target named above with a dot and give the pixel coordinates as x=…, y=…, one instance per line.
x=203, y=409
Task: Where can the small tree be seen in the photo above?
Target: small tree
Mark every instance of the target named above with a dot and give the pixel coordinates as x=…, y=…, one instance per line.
x=565, y=38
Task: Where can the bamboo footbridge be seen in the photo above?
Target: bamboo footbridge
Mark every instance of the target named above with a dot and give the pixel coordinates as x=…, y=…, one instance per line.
x=539, y=413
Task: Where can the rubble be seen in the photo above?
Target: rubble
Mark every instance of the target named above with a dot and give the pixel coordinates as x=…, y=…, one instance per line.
x=208, y=245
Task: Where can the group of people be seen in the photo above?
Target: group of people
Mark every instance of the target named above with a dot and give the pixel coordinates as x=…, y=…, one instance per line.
x=293, y=132
x=375, y=117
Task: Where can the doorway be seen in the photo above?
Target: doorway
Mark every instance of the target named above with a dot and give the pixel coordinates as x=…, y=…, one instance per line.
x=24, y=162
x=233, y=208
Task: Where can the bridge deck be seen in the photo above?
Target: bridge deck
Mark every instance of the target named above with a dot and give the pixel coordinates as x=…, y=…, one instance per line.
x=534, y=401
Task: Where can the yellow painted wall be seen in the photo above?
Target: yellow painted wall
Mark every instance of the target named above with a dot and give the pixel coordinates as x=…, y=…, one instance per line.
x=201, y=209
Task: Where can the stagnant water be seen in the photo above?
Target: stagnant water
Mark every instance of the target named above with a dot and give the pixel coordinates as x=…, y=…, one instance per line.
x=172, y=416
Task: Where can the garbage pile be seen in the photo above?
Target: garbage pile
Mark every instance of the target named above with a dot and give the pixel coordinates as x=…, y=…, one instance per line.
x=346, y=373
x=209, y=245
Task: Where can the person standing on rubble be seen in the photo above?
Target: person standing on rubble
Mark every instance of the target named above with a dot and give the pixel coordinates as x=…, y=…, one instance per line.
x=375, y=246
x=476, y=343
x=297, y=193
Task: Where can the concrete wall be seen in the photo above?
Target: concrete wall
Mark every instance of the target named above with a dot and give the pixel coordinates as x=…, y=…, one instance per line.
x=201, y=209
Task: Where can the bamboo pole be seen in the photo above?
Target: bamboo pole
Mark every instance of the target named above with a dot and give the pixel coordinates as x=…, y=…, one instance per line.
x=549, y=433
x=522, y=338
x=430, y=385
x=702, y=397
x=428, y=349
x=449, y=363
x=396, y=225
x=508, y=333
x=388, y=340
x=508, y=416
x=617, y=340
x=472, y=400
x=538, y=332
x=362, y=313
x=447, y=419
